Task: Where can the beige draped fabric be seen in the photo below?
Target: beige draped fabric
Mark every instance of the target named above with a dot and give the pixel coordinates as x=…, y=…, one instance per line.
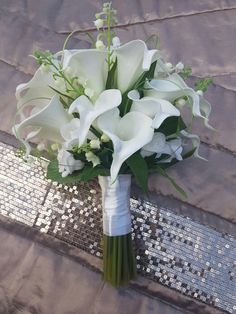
x=36, y=278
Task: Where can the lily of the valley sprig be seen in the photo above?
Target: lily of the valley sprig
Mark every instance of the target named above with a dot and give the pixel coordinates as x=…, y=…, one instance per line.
x=112, y=109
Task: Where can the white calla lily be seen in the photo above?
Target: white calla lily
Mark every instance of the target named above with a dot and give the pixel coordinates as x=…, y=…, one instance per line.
x=160, y=146
x=90, y=64
x=174, y=87
x=70, y=130
x=126, y=134
x=89, y=112
x=37, y=87
x=174, y=149
x=67, y=164
x=157, y=109
x=133, y=58
x=156, y=145
x=47, y=123
x=195, y=141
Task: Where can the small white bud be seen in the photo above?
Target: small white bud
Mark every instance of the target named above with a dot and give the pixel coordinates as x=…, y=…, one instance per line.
x=68, y=71
x=169, y=66
x=82, y=81
x=45, y=67
x=89, y=92
x=100, y=45
x=98, y=23
x=95, y=144
x=41, y=146
x=91, y=157
x=59, y=82
x=116, y=42
x=54, y=146
x=105, y=138
x=199, y=92
x=180, y=103
x=179, y=66
x=44, y=163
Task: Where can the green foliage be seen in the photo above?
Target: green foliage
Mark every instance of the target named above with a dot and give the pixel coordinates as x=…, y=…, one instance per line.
x=83, y=175
x=203, y=84
x=139, y=168
x=111, y=78
x=139, y=85
x=172, y=125
x=187, y=71
x=119, y=263
x=43, y=57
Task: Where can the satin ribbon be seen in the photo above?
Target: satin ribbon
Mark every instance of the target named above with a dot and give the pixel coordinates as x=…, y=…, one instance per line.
x=116, y=205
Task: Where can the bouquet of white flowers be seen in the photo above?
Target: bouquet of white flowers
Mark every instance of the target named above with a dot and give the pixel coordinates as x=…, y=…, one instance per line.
x=111, y=112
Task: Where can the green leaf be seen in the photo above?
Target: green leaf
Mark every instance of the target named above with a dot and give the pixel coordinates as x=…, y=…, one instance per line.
x=172, y=125
x=111, y=78
x=60, y=93
x=126, y=102
x=139, y=168
x=163, y=173
x=84, y=175
x=88, y=173
x=147, y=75
x=203, y=84
x=186, y=73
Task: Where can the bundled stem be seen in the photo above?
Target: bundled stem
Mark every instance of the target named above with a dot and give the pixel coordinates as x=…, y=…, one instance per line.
x=119, y=262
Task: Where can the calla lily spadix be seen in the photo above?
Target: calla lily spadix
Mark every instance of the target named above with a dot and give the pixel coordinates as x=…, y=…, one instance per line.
x=89, y=112
x=157, y=109
x=133, y=59
x=126, y=134
x=47, y=123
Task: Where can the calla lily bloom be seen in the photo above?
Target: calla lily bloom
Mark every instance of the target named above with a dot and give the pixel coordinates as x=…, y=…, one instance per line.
x=160, y=146
x=195, y=141
x=174, y=87
x=90, y=64
x=133, y=58
x=157, y=109
x=37, y=87
x=89, y=112
x=126, y=134
x=67, y=164
x=47, y=123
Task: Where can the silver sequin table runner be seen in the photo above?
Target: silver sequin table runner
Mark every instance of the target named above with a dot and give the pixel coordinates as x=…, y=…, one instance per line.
x=172, y=250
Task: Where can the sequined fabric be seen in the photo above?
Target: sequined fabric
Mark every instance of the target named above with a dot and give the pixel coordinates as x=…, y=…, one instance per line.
x=173, y=250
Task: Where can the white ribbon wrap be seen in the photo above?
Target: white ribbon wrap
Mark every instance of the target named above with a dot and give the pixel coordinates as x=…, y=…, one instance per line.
x=116, y=205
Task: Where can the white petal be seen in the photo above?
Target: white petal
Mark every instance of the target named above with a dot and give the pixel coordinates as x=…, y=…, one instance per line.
x=196, y=142
x=91, y=65
x=70, y=130
x=126, y=134
x=133, y=59
x=37, y=87
x=47, y=122
x=157, y=109
x=157, y=144
x=172, y=88
x=205, y=108
x=88, y=112
x=67, y=164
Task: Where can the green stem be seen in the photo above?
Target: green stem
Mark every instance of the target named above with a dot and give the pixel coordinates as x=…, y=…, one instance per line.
x=109, y=39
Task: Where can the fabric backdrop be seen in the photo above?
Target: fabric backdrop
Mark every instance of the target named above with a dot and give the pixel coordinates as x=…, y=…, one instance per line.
x=200, y=33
